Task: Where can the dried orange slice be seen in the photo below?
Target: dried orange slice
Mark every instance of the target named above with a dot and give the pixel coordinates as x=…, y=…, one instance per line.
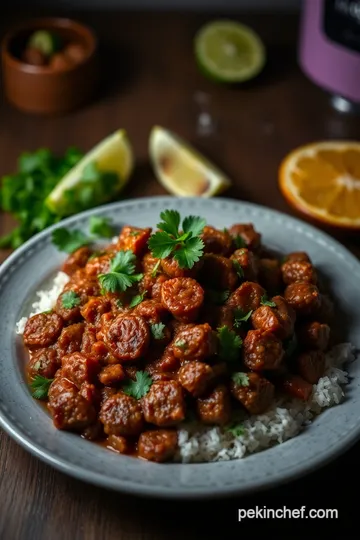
x=322, y=180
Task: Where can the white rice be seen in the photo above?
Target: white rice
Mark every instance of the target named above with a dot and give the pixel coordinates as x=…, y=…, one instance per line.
x=283, y=421
x=46, y=300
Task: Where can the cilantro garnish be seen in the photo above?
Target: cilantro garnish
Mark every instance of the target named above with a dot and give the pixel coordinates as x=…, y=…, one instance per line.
x=266, y=302
x=239, y=242
x=140, y=386
x=23, y=193
x=217, y=297
x=238, y=268
x=100, y=226
x=40, y=387
x=157, y=330
x=181, y=344
x=230, y=344
x=241, y=317
x=155, y=269
x=240, y=378
x=121, y=274
x=70, y=299
x=136, y=300
x=186, y=247
x=134, y=233
x=69, y=241
x=235, y=429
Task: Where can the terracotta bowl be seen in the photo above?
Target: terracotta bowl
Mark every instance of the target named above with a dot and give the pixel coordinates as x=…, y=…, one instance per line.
x=43, y=89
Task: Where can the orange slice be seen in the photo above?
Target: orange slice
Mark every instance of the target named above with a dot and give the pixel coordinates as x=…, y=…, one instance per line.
x=322, y=180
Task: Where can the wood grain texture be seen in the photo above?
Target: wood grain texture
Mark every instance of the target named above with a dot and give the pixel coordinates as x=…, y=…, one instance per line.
x=149, y=77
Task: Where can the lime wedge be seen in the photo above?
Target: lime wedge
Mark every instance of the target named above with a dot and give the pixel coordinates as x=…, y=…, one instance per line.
x=46, y=42
x=181, y=169
x=98, y=177
x=229, y=52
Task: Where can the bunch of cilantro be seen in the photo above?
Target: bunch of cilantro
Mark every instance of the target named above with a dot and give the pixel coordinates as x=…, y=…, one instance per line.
x=23, y=193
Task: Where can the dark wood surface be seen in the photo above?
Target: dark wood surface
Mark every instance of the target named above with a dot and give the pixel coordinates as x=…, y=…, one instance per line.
x=149, y=77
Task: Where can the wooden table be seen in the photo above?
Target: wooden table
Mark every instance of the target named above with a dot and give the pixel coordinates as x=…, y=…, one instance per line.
x=150, y=78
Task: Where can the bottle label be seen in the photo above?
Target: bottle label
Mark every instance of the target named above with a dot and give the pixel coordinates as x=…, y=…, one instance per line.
x=341, y=22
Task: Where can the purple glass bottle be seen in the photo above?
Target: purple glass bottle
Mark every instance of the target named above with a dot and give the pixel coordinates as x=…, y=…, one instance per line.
x=329, y=48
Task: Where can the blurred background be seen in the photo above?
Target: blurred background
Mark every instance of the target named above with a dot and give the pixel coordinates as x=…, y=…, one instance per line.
x=285, y=75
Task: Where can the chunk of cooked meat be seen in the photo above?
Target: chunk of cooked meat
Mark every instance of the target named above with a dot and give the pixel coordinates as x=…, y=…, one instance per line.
x=253, y=391
x=215, y=408
x=121, y=415
x=164, y=404
x=195, y=377
x=262, y=350
x=158, y=445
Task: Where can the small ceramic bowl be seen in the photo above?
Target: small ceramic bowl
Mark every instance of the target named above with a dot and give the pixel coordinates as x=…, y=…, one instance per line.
x=43, y=89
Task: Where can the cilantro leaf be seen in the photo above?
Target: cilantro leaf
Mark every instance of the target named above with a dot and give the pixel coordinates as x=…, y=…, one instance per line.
x=238, y=268
x=155, y=269
x=239, y=242
x=40, y=387
x=240, y=378
x=23, y=193
x=157, y=330
x=161, y=244
x=181, y=343
x=121, y=275
x=190, y=252
x=265, y=302
x=136, y=300
x=186, y=246
x=140, y=387
x=170, y=223
x=193, y=225
x=100, y=226
x=230, y=344
x=69, y=241
x=217, y=297
x=70, y=300
x=241, y=317
x=123, y=262
x=235, y=429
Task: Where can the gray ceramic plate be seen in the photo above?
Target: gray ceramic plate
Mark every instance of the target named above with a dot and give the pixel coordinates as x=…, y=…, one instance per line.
x=27, y=422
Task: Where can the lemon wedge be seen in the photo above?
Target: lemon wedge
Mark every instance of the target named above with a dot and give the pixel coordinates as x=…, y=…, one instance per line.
x=181, y=169
x=98, y=177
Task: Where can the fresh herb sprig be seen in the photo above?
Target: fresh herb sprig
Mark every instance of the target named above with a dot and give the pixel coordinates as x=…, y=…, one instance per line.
x=235, y=429
x=264, y=301
x=40, y=387
x=101, y=227
x=240, y=378
x=121, y=275
x=217, y=297
x=137, y=299
x=23, y=193
x=140, y=387
x=230, y=344
x=185, y=246
x=240, y=317
x=70, y=299
x=157, y=330
x=69, y=240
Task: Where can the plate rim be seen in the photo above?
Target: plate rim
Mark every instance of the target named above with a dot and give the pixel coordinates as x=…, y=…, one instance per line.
x=146, y=490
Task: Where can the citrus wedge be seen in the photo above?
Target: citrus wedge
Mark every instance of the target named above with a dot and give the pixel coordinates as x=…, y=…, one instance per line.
x=181, y=169
x=229, y=52
x=322, y=180
x=98, y=177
